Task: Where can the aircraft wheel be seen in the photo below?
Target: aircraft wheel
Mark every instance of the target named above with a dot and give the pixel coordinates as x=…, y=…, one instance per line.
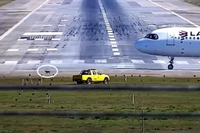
x=170, y=66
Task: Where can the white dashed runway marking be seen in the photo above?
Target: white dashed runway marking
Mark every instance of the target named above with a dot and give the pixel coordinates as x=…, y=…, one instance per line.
x=109, y=30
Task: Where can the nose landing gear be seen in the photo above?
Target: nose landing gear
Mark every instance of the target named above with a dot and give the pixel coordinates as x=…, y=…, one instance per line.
x=171, y=62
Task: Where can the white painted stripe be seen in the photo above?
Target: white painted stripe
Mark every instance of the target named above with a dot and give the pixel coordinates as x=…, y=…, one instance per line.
x=52, y=49
x=33, y=61
x=64, y=20
x=39, y=39
x=114, y=46
x=11, y=62
x=159, y=61
x=21, y=39
x=175, y=13
x=109, y=28
x=181, y=62
x=47, y=25
x=60, y=25
x=56, y=39
x=78, y=61
x=42, y=33
x=116, y=53
x=110, y=33
x=113, y=42
x=56, y=61
x=100, y=61
x=111, y=36
x=12, y=50
x=21, y=21
x=137, y=61
x=115, y=49
x=198, y=62
x=112, y=39
x=34, y=49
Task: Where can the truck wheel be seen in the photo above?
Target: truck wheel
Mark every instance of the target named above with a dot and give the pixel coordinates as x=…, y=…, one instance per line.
x=105, y=81
x=89, y=81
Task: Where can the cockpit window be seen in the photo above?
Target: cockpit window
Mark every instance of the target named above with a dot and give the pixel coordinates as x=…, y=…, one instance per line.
x=152, y=36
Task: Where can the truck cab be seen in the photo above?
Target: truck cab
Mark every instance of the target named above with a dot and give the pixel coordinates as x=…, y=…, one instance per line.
x=91, y=76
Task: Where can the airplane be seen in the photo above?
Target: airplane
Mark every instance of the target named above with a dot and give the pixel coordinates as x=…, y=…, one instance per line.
x=172, y=42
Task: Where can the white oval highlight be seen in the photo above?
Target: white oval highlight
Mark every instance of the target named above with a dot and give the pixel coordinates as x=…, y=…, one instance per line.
x=47, y=66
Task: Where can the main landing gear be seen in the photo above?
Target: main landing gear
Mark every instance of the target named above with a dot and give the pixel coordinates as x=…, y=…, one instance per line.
x=171, y=62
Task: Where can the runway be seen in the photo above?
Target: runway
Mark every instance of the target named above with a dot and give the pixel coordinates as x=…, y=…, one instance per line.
x=81, y=34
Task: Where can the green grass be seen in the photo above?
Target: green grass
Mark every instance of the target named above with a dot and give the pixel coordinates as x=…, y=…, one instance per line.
x=194, y=2
x=4, y=2
x=109, y=101
x=115, y=80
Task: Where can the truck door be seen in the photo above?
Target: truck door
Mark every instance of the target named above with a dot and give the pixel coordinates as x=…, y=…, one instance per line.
x=94, y=76
x=170, y=39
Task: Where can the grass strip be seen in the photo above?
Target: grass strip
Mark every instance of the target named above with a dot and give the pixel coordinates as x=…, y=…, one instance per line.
x=194, y=2
x=115, y=80
x=4, y=2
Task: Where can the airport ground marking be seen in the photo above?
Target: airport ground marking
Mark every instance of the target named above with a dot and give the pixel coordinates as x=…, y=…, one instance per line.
x=137, y=61
x=21, y=39
x=159, y=61
x=109, y=30
x=115, y=50
x=34, y=49
x=12, y=50
x=21, y=21
x=34, y=62
x=103, y=61
x=42, y=33
x=192, y=23
x=52, y=49
x=56, y=61
x=11, y=62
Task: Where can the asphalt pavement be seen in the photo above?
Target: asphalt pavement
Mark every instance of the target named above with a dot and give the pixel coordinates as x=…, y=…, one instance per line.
x=81, y=34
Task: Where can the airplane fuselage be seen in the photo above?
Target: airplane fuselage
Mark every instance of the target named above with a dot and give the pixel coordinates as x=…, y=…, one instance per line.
x=175, y=42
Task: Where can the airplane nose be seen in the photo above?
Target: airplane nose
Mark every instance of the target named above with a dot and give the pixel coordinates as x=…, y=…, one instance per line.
x=138, y=45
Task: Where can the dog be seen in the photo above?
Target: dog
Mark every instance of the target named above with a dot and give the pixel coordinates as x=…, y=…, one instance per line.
x=47, y=72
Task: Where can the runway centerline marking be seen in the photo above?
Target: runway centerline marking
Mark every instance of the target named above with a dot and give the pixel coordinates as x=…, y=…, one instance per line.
x=109, y=30
x=21, y=21
x=192, y=23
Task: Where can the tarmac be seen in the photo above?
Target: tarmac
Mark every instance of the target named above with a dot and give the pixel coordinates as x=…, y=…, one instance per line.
x=80, y=34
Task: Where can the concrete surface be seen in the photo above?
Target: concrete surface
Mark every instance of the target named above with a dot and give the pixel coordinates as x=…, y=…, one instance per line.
x=81, y=34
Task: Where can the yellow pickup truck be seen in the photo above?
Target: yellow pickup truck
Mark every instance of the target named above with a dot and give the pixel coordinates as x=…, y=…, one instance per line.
x=90, y=76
